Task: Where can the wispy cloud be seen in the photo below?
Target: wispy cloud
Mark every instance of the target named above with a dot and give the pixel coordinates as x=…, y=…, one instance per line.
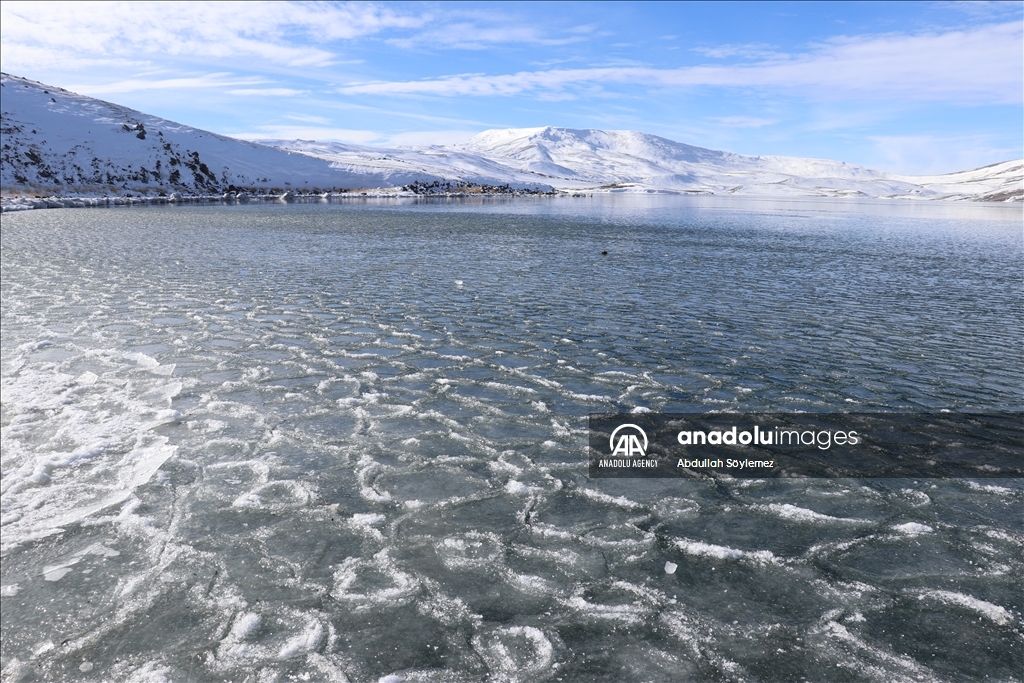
x=985, y=10
x=745, y=50
x=745, y=121
x=476, y=35
x=979, y=65
x=218, y=80
x=306, y=118
x=267, y=92
x=63, y=34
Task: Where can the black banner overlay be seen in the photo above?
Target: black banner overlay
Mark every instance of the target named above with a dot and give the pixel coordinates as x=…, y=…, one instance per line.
x=765, y=445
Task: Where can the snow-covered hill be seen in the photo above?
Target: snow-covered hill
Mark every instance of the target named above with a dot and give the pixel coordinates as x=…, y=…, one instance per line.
x=1000, y=182
x=57, y=142
x=629, y=160
x=450, y=164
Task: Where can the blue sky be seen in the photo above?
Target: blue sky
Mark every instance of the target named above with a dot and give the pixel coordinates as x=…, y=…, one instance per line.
x=904, y=87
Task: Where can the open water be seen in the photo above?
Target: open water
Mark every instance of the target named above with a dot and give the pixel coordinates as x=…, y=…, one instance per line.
x=348, y=442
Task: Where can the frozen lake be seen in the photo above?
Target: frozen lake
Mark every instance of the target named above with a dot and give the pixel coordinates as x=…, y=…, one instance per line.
x=348, y=442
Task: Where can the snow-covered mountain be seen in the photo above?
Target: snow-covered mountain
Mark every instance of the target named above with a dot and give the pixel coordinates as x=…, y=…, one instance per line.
x=628, y=161
x=1002, y=182
x=629, y=158
x=448, y=163
x=57, y=142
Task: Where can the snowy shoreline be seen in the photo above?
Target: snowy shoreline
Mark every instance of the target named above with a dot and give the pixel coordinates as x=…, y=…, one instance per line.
x=9, y=204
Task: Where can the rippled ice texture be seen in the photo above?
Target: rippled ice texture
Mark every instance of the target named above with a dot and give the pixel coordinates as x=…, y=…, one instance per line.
x=320, y=442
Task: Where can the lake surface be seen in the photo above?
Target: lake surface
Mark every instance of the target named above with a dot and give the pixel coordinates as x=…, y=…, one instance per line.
x=348, y=442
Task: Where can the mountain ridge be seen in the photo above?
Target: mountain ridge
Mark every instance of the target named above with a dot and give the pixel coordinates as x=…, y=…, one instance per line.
x=58, y=142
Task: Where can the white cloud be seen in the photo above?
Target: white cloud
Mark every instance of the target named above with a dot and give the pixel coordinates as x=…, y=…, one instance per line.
x=987, y=10
x=218, y=80
x=76, y=35
x=981, y=65
x=66, y=35
x=267, y=92
x=747, y=50
x=307, y=118
x=468, y=35
x=745, y=121
x=31, y=59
